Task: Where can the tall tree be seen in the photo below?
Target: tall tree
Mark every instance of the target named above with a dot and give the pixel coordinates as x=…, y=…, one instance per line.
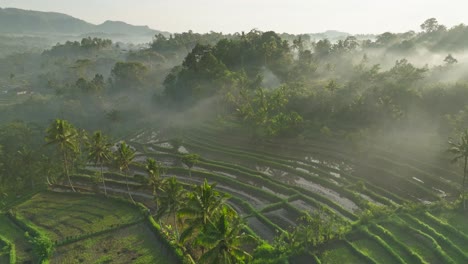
x=64, y=135
x=225, y=240
x=171, y=200
x=154, y=170
x=99, y=153
x=128, y=75
x=202, y=206
x=124, y=158
x=460, y=150
x=430, y=25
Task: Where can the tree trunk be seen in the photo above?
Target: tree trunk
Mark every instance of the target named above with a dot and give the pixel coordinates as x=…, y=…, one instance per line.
x=463, y=185
x=103, y=180
x=128, y=188
x=155, y=195
x=65, y=161
x=175, y=226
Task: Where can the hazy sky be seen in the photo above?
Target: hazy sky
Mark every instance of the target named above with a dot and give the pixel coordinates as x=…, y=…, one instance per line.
x=293, y=16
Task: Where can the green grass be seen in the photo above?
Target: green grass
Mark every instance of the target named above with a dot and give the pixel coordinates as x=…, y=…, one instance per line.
x=458, y=220
x=134, y=244
x=377, y=248
x=407, y=254
x=445, y=243
x=452, y=233
x=342, y=254
x=414, y=241
x=63, y=215
x=15, y=235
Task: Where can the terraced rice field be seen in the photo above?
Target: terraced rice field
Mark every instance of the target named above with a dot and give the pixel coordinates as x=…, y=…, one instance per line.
x=272, y=183
x=15, y=234
x=134, y=244
x=72, y=217
x=85, y=229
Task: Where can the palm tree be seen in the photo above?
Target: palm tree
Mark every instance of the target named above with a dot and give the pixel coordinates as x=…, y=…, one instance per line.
x=171, y=200
x=201, y=207
x=124, y=158
x=65, y=136
x=48, y=168
x=190, y=160
x=99, y=153
x=460, y=150
x=225, y=239
x=154, y=170
x=27, y=159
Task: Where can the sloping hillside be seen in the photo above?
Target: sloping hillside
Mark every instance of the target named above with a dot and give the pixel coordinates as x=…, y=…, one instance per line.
x=18, y=21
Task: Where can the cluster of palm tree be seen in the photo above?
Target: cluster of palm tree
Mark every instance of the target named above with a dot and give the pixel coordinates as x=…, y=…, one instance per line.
x=206, y=229
x=69, y=139
x=65, y=136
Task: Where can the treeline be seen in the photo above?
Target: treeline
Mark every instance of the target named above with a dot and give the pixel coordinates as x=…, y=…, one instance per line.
x=277, y=87
x=273, y=84
x=25, y=163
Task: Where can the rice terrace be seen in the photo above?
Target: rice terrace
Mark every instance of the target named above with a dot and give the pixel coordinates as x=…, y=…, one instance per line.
x=126, y=144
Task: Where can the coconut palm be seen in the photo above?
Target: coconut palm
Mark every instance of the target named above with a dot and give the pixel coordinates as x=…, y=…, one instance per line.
x=65, y=136
x=99, y=153
x=225, y=240
x=154, y=170
x=201, y=207
x=460, y=150
x=124, y=158
x=170, y=200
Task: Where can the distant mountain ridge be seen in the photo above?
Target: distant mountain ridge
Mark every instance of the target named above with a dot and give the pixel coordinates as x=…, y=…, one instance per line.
x=19, y=21
x=334, y=35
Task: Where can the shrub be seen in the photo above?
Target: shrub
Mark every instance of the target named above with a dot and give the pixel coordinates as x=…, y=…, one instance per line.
x=42, y=246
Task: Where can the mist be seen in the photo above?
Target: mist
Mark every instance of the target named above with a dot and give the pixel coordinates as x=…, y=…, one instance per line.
x=350, y=139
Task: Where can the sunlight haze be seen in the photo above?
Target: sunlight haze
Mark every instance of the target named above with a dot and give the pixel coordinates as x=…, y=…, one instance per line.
x=295, y=16
x=240, y=132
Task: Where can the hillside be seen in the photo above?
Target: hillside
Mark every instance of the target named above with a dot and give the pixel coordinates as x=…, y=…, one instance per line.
x=18, y=21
